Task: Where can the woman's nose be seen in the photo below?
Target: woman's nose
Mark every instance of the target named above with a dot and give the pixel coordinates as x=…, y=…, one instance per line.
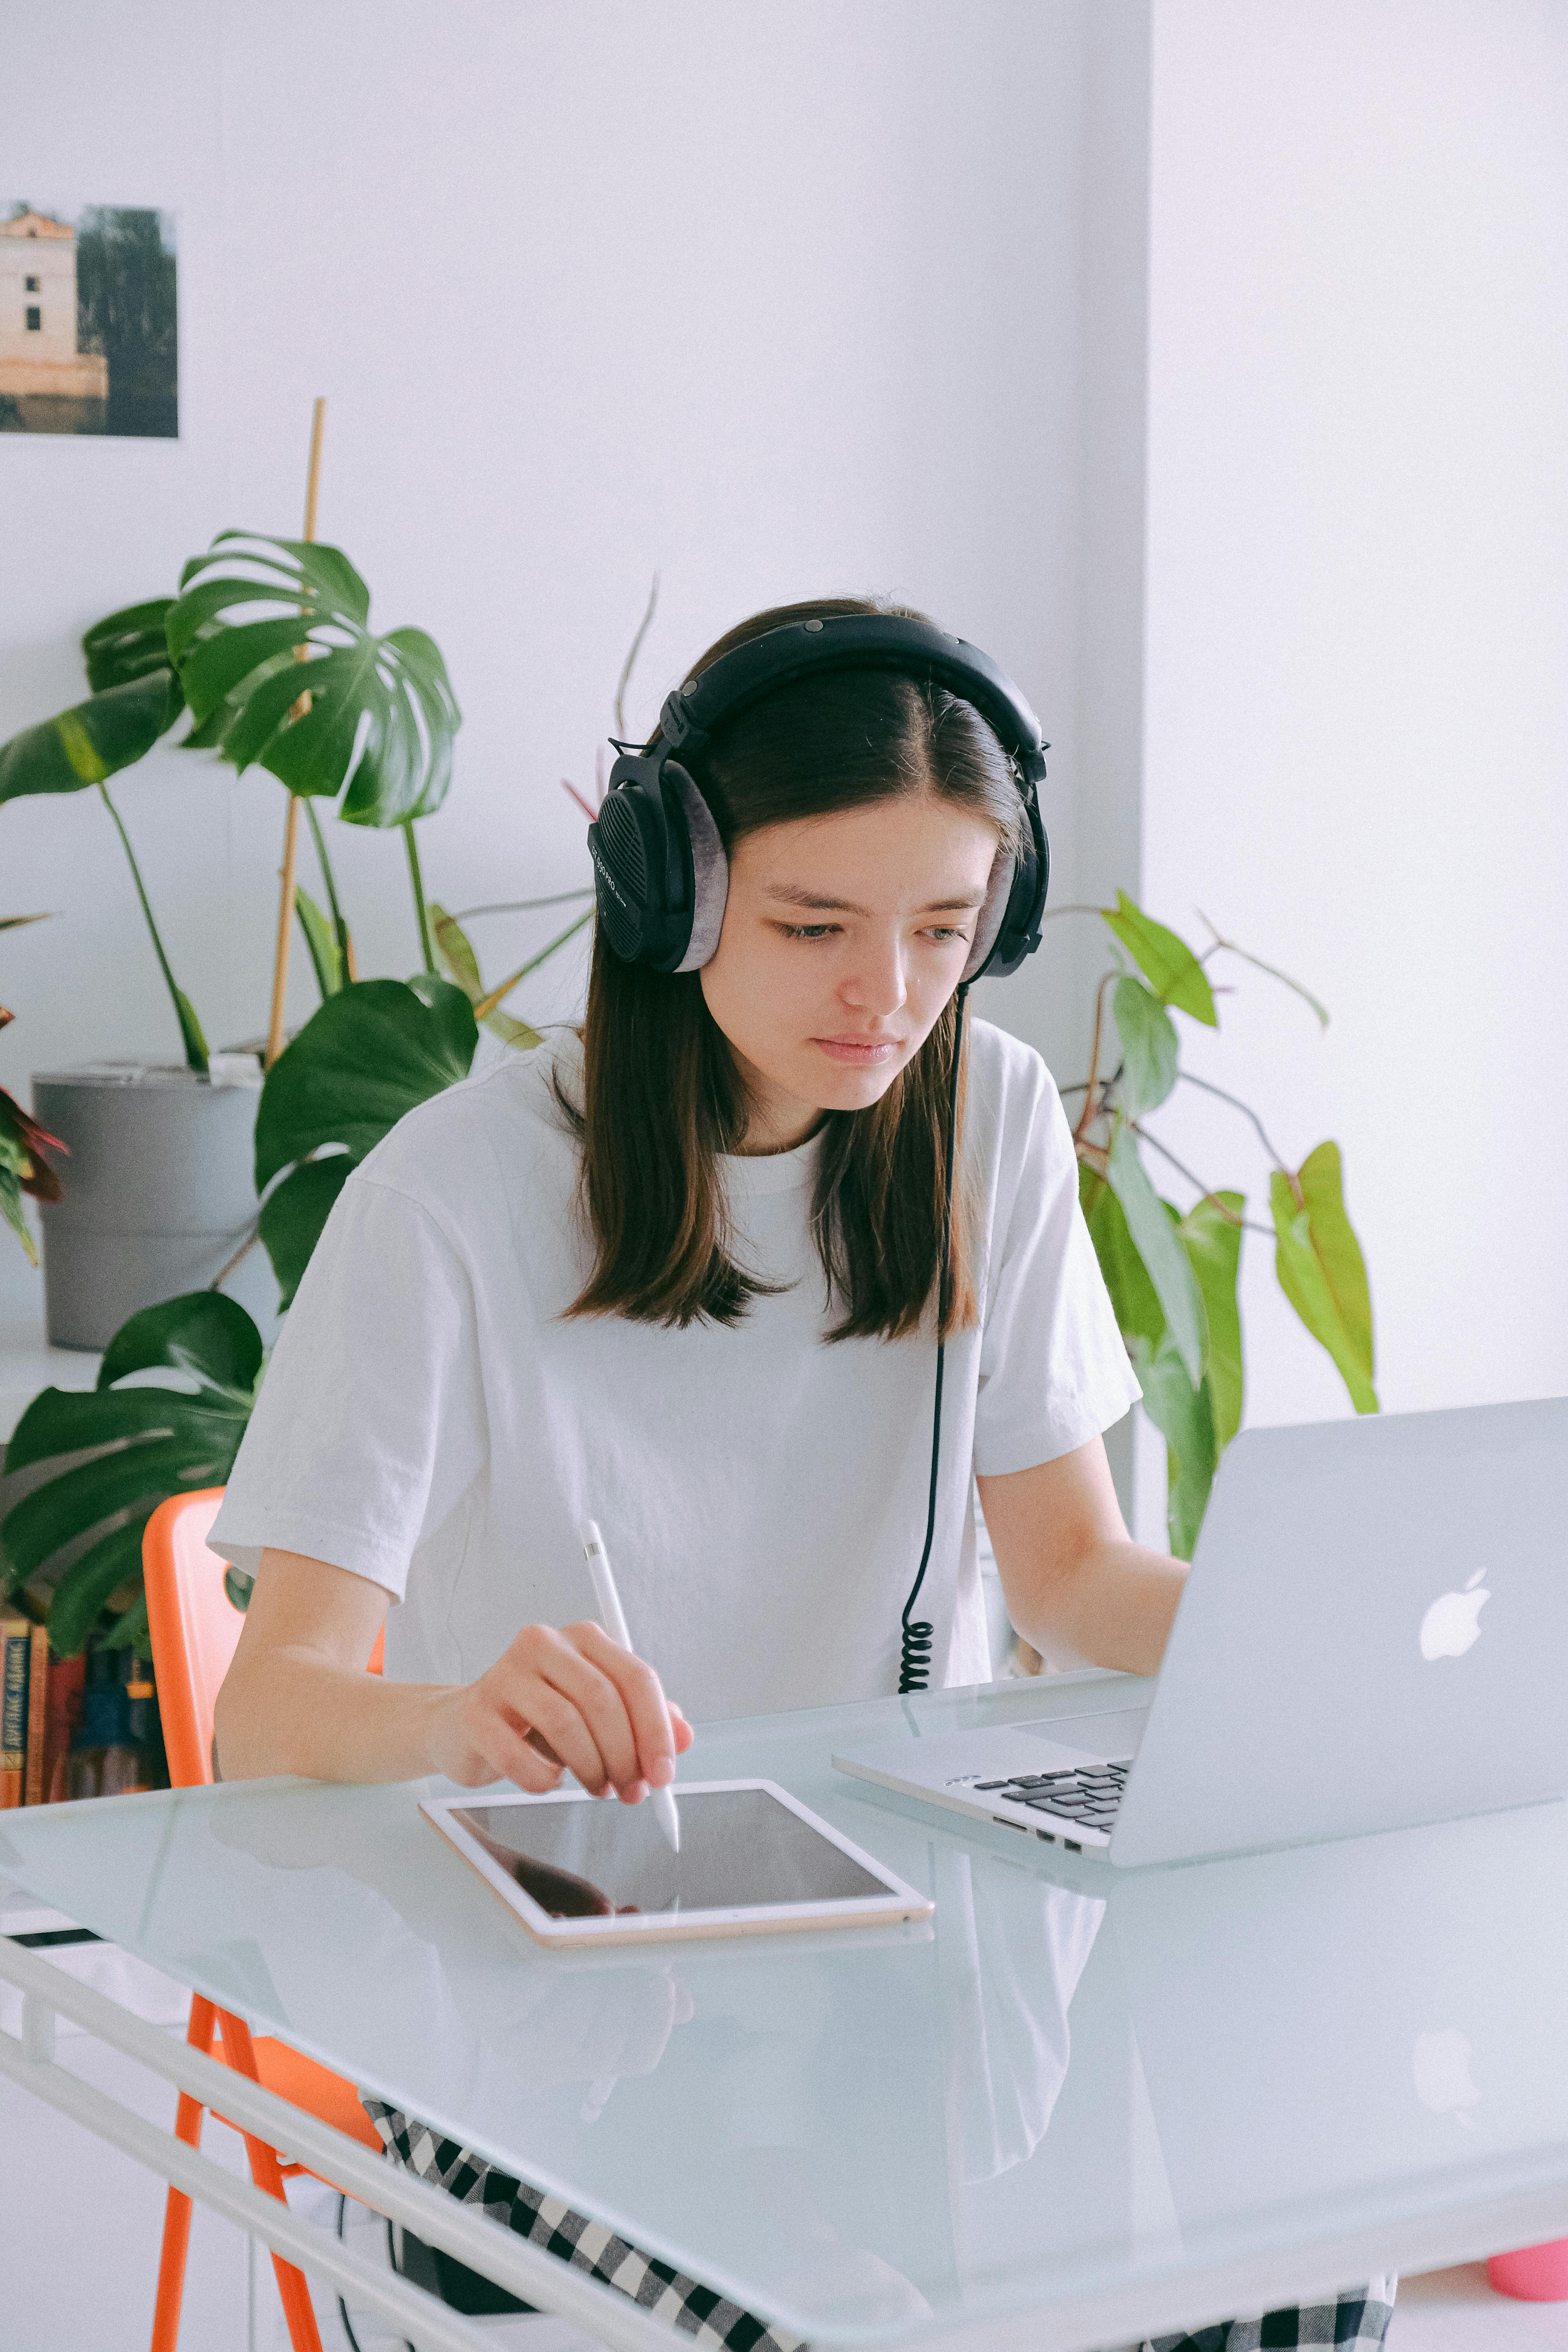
x=875, y=980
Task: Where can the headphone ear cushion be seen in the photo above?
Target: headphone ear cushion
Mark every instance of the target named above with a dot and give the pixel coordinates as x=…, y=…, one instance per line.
x=709, y=870
x=998, y=892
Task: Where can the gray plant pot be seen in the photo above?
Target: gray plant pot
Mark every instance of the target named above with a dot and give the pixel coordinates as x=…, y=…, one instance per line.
x=158, y=1194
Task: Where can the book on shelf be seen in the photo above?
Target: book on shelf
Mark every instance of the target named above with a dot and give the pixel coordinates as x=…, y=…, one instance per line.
x=37, y=1787
x=15, y=1672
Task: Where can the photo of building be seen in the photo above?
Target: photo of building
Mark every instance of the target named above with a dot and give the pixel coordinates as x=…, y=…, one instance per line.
x=87, y=322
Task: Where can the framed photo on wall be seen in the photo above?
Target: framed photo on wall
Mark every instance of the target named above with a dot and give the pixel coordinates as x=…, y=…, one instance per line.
x=89, y=320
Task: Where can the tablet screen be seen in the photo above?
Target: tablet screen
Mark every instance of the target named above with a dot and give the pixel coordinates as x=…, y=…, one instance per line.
x=740, y=1848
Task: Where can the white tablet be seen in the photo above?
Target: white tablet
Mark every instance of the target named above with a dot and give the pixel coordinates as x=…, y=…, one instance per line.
x=587, y=1871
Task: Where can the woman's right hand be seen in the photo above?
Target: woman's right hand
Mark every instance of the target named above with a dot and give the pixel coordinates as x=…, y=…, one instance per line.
x=558, y=1698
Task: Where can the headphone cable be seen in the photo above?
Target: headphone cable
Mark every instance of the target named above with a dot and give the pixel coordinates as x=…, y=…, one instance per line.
x=919, y=1633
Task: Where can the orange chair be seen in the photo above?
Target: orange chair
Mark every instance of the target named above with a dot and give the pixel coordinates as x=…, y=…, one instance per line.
x=195, y=1630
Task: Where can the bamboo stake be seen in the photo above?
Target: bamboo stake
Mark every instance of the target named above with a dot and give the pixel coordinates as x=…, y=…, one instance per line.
x=291, y=826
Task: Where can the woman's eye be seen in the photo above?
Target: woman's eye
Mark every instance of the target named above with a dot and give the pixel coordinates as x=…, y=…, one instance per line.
x=945, y=933
x=808, y=931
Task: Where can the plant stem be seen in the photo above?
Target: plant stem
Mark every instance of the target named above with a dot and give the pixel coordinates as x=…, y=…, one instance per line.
x=630, y=662
x=1207, y=1192
x=521, y=906
x=488, y=1004
x=345, y=946
x=1236, y=1102
x=174, y=996
x=417, y=881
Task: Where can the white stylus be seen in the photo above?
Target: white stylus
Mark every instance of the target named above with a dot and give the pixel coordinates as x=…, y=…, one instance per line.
x=613, y=1618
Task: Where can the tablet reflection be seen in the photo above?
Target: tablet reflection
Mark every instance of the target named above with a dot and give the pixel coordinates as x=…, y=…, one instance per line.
x=558, y=1892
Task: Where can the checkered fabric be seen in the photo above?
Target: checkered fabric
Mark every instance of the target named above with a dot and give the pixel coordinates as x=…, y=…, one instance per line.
x=693, y=2310
x=1356, y=2321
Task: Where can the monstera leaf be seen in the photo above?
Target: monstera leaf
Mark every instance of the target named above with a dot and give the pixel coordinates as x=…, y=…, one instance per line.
x=93, y=740
x=371, y=1053
x=146, y=1441
x=128, y=644
x=275, y=653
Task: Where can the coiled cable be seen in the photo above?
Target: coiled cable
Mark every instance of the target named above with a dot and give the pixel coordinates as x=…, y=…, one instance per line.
x=918, y=1634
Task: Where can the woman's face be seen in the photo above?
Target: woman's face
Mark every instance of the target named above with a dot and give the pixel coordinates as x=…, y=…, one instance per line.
x=843, y=937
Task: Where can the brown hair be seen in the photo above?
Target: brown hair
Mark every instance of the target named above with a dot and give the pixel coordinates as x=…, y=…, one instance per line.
x=662, y=1096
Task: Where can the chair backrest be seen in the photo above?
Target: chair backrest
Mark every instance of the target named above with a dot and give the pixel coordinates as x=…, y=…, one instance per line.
x=194, y=1628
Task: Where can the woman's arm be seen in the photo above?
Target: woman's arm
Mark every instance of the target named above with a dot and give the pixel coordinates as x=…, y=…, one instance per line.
x=1073, y=1578
x=297, y=1698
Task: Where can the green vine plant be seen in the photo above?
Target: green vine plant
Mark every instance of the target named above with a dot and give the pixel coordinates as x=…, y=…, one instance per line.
x=1173, y=1274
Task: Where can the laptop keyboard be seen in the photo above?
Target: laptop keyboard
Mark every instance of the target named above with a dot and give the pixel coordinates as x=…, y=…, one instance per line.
x=1090, y=1793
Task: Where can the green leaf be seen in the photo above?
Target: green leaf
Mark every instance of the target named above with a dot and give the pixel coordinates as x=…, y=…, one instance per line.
x=147, y=1442
x=130, y=1631
x=199, y=1452
x=93, y=740
x=1166, y=1263
x=1185, y=1416
x=294, y=1212
x=1322, y=1271
x=88, y=1583
x=201, y=1332
x=1169, y=963
x=1213, y=1243
x=381, y=716
x=367, y=1055
x=127, y=643
x=15, y=1215
x=454, y=951
x=1150, y=1049
x=70, y=1420
x=191, y=1036
x=1132, y=1295
x=372, y=1052
x=322, y=940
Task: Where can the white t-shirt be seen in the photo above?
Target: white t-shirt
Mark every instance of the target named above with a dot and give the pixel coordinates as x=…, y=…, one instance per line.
x=429, y=1421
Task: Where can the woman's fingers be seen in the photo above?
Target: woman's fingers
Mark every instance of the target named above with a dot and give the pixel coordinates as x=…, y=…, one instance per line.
x=573, y=1698
x=642, y=1695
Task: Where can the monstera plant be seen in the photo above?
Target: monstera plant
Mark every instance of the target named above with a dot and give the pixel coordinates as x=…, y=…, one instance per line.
x=269, y=650
x=178, y=1379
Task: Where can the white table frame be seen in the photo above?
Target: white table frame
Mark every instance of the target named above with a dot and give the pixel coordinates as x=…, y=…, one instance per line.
x=1256, y=2282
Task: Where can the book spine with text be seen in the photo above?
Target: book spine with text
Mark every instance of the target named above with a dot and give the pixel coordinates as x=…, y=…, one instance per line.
x=16, y=1662
x=37, y=1787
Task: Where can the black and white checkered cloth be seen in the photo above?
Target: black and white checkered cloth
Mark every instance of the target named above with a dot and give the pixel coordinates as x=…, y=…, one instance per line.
x=693, y=2310
x=1355, y=2321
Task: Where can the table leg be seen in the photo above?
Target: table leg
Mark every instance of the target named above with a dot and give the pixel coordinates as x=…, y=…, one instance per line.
x=264, y=2171
x=178, y=2207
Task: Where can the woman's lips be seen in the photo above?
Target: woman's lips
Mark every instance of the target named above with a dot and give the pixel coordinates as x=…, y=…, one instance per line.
x=861, y=1050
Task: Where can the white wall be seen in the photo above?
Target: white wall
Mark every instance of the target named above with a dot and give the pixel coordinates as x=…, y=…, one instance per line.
x=772, y=301
x=1357, y=607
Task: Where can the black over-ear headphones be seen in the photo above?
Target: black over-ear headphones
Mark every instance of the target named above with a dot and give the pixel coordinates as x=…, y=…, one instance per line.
x=661, y=875
x=659, y=869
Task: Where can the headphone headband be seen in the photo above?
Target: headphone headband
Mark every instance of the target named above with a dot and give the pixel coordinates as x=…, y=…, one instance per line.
x=662, y=872
x=854, y=641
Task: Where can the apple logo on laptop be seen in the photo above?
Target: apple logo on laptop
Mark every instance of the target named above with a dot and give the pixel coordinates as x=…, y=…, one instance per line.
x=1453, y=1621
x=1441, y=2065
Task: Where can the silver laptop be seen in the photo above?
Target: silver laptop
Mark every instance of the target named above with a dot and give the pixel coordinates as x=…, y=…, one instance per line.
x=1374, y=1634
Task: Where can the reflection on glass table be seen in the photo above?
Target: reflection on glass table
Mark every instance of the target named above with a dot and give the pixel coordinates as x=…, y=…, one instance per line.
x=1196, y=2089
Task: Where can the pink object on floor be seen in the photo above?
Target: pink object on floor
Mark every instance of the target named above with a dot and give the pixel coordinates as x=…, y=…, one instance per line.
x=1532, y=2273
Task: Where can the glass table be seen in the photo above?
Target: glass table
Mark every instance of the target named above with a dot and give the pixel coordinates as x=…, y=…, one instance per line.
x=1078, y=2105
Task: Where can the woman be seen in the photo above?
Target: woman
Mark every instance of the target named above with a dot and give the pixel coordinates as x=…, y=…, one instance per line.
x=684, y=1271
